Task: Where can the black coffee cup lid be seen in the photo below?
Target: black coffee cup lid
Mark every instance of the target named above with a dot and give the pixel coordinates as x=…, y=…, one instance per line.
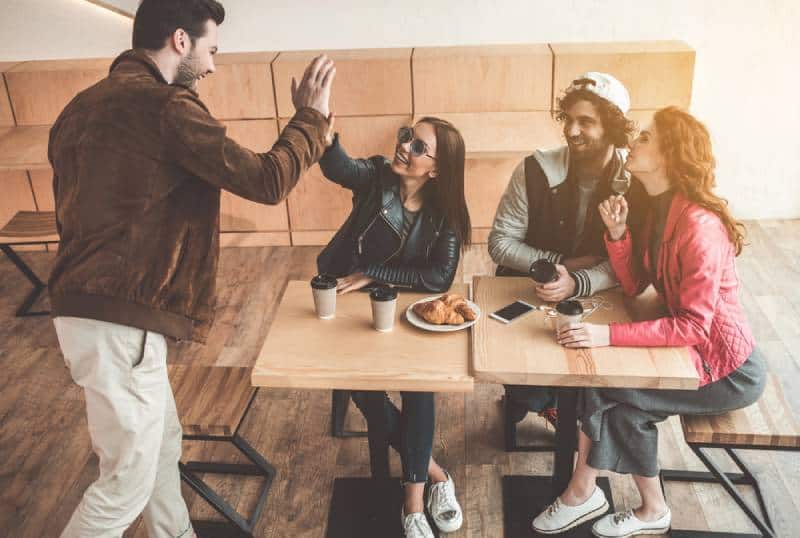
x=383, y=293
x=543, y=271
x=570, y=308
x=323, y=282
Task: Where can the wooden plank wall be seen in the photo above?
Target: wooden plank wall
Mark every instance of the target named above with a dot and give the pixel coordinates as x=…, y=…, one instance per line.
x=500, y=97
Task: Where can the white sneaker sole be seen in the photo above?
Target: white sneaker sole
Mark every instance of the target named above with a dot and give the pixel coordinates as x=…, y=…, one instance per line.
x=662, y=530
x=449, y=527
x=597, y=512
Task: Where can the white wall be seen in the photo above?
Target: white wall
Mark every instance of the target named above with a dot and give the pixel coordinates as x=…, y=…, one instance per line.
x=746, y=82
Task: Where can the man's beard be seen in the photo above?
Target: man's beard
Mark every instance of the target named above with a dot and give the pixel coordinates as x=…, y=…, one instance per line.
x=590, y=151
x=187, y=74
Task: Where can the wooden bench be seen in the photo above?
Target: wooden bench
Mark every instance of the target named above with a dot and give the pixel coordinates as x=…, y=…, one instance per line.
x=768, y=424
x=212, y=403
x=28, y=228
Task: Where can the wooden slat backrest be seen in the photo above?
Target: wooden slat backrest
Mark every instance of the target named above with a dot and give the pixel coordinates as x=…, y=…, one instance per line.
x=768, y=423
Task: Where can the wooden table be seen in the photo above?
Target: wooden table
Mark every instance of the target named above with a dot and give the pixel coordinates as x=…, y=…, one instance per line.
x=304, y=352
x=525, y=352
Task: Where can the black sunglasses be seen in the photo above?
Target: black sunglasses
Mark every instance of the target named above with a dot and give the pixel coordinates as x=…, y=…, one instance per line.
x=418, y=147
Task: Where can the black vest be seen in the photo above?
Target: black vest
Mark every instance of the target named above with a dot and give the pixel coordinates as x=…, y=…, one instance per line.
x=552, y=214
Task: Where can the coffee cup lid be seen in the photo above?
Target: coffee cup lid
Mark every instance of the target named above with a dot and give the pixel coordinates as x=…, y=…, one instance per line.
x=570, y=308
x=383, y=293
x=323, y=282
x=543, y=271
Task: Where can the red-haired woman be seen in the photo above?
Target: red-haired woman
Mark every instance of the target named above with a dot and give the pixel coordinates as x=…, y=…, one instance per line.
x=687, y=252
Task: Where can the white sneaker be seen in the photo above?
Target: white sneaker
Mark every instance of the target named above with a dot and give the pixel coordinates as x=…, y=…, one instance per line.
x=558, y=517
x=415, y=525
x=624, y=524
x=444, y=507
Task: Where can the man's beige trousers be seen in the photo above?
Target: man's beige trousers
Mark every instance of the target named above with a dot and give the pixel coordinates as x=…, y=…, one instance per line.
x=134, y=428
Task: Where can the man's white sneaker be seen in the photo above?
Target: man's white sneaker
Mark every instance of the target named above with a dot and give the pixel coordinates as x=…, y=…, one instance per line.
x=624, y=524
x=415, y=525
x=444, y=507
x=558, y=517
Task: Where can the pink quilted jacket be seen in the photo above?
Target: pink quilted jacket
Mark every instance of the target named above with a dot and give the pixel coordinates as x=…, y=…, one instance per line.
x=696, y=266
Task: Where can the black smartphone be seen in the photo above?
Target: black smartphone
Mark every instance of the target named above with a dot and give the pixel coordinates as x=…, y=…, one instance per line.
x=509, y=313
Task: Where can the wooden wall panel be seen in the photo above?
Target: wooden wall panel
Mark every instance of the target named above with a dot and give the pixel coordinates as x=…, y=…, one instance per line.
x=40, y=90
x=499, y=78
x=23, y=148
x=301, y=239
x=6, y=116
x=657, y=73
x=254, y=239
x=485, y=182
x=241, y=87
x=368, y=81
x=16, y=196
x=236, y=213
x=319, y=204
x=493, y=134
x=42, y=183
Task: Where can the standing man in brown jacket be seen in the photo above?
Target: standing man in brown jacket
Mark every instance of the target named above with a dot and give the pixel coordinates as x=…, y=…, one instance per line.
x=138, y=165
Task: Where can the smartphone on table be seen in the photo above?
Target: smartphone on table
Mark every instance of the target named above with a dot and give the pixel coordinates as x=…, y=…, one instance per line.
x=512, y=312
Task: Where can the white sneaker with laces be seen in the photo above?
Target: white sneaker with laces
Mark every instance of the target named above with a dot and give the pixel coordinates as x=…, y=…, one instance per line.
x=624, y=524
x=558, y=517
x=443, y=505
x=415, y=525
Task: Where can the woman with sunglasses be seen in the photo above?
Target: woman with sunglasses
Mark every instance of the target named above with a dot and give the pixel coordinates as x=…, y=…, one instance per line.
x=407, y=227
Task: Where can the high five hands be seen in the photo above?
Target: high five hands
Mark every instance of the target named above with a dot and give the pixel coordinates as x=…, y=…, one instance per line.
x=314, y=90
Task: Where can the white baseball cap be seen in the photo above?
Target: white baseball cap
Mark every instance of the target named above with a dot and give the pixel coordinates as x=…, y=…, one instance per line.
x=605, y=86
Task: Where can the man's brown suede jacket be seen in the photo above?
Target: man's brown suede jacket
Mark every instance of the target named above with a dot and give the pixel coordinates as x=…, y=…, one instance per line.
x=138, y=167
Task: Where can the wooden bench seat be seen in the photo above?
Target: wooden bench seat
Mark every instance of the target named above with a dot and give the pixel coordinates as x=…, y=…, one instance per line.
x=211, y=401
x=767, y=424
x=27, y=227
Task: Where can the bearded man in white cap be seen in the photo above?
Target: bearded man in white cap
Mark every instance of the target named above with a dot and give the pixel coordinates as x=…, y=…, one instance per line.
x=549, y=209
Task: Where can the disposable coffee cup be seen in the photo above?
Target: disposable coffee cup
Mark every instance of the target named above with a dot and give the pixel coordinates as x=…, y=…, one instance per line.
x=323, y=288
x=569, y=311
x=543, y=271
x=384, y=305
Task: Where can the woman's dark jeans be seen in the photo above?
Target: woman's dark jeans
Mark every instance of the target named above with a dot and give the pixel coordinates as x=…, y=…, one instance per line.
x=410, y=431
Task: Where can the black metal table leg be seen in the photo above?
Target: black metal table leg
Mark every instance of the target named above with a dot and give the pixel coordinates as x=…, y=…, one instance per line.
x=369, y=506
x=566, y=438
x=38, y=285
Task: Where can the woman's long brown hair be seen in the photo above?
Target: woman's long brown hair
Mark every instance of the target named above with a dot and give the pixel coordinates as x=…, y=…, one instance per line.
x=446, y=191
x=686, y=146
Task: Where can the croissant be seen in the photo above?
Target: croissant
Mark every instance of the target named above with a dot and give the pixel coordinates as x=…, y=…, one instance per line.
x=435, y=312
x=459, y=304
x=450, y=309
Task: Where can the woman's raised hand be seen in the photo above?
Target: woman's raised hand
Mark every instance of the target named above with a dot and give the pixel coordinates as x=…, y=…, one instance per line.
x=614, y=213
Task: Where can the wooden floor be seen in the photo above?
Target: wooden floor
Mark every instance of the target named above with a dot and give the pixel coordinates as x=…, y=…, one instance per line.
x=46, y=460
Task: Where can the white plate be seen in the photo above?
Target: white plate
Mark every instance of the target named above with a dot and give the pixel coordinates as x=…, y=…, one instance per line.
x=422, y=324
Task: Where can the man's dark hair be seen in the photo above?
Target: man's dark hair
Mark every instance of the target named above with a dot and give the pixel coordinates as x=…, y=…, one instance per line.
x=157, y=20
x=618, y=129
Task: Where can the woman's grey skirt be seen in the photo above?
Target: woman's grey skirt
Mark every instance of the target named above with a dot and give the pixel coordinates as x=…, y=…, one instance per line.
x=622, y=422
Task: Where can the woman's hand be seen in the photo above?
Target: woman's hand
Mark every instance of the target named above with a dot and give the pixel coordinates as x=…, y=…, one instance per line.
x=329, y=133
x=352, y=282
x=614, y=213
x=584, y=335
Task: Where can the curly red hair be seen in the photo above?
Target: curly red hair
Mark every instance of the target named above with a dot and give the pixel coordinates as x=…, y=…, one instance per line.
x=686, y=145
